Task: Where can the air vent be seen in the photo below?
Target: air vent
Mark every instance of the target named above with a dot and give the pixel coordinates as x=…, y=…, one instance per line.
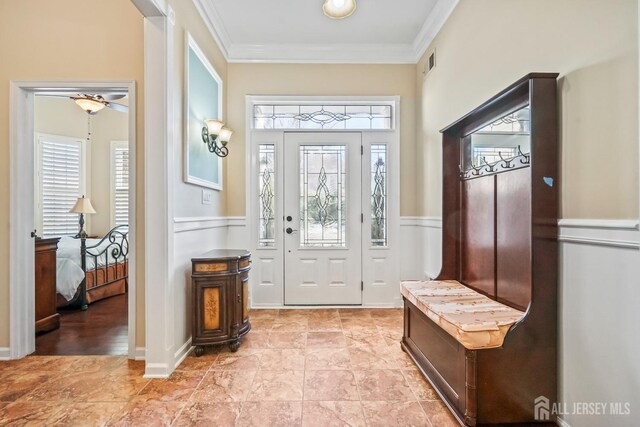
x=432, y=62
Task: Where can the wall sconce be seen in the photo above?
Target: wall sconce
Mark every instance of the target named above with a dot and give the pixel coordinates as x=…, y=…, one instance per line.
x=216, y=136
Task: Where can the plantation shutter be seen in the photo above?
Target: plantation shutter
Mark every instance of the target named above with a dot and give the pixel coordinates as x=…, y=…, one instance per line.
x=120, y=156
x=60, y=185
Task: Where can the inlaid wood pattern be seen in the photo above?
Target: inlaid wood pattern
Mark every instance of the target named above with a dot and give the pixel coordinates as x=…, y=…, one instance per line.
x=244, y=263
x=210, y=267
x=212, y=308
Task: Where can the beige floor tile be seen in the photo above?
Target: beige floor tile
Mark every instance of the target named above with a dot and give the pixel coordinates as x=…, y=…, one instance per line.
x=18, y=414
x=15, y=384
x=326, y=340
x=419, y=385
x=254, y=339
x=260, y=414
x=205, y=414
x=224, y=386
x=329, y=325
x=327, y=358
x=288, y=359
x=140, y=412
x=247, y=359
x=263, y=313
x=85, y=414
x=277, y=385
x=332, y=414
x=179, y=386
x=330, y=386
x=287, y=340
x=439, y=414
x=290, y=324
x=391, y=414
x=261, y=325
x=383, y=385
x=365, y=357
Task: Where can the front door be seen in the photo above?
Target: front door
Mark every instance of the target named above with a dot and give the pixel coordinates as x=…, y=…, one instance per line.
x=322, y=218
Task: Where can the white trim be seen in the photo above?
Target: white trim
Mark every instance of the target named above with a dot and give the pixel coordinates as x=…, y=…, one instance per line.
x=190, y=43
x=5, y=353
x=185, y=224
x=160, y=78
x=604, y=224
x=421, y=221
x=614, y=243
x=22, y=181
x=139, y=353
x=436, y=20
x=182, y=353
x=344, y=53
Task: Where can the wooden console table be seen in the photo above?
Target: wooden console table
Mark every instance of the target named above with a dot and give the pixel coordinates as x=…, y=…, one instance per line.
x=220, y=286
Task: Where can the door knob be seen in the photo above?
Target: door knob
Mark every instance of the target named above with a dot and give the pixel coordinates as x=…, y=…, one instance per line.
x=290, y=230
x=34, y=234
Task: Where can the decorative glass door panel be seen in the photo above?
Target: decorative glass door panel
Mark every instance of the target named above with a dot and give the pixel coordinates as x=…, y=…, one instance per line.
x=323, y=196
x=322, y=208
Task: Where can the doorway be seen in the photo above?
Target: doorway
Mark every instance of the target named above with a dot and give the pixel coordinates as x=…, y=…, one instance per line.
x=323, y=201
x=44, y=147
x=323, y=224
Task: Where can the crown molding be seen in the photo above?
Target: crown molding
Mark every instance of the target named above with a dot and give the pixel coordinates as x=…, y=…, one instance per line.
x=214, y=23
x=408, y=53
x=438, y=16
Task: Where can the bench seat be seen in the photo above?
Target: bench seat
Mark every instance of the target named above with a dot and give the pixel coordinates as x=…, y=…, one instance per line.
x=474, y=320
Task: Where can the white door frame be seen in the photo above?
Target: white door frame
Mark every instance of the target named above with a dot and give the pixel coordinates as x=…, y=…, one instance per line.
x=22, y=182
x=159, y=76
x=381, y=271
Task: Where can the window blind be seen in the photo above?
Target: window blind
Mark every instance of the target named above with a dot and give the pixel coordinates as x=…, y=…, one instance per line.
x=60, y=185
x=120, y=191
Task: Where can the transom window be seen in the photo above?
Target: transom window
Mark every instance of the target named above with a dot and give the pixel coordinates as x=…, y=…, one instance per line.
x=323, y=117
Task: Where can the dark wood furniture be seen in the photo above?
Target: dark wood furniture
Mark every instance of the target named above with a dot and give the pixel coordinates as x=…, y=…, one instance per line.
x=220, y=287
x=106, y=268
x=500, y=239
x=47, y=318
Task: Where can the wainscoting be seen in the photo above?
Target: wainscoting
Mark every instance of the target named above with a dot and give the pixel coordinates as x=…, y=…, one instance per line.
x=600, y=266
x=599, y=296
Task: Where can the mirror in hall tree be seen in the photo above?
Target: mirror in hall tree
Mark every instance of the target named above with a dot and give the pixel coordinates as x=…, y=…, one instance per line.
x=501, y=145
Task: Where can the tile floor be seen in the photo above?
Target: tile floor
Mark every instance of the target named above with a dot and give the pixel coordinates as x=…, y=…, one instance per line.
x=295, y=368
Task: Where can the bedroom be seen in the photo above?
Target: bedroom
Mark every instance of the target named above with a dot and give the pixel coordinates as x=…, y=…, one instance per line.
x=81, y=170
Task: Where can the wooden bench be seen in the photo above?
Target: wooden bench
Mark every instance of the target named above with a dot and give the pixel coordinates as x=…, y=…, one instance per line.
x=484, y=333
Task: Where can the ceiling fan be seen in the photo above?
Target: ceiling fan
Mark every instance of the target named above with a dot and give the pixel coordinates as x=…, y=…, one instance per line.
x=92, y=103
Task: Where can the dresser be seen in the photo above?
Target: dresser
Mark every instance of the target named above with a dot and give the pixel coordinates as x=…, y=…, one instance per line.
x=47, y=317
x=220, y=287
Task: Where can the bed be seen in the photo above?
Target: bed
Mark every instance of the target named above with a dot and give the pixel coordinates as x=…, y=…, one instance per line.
x=88, y=270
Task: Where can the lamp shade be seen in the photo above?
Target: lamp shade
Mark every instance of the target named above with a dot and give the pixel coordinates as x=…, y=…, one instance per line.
x=214, y=126
x=338, y=9
x=225, y=135
x=89, y=105
x=83, y=206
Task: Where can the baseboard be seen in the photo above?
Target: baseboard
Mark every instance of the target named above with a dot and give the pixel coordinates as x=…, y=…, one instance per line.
x=5, y=353
x=182, y=353
x=563, y=423
x=139, y=353
x=157, y=370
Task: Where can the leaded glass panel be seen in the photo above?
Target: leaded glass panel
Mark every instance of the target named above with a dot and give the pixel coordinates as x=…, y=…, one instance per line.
x=323, y=197
x=266, y=202
x=354, y=117
x=379, y=195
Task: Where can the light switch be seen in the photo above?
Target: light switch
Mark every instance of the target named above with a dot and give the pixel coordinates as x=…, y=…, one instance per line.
x=207, y=197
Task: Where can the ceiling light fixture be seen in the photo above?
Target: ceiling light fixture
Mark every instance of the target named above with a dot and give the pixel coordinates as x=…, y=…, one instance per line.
x=89, y=105
x=339, y=9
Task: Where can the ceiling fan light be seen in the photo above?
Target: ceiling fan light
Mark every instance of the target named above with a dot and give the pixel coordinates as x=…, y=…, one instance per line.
x=89, y=105
x=339, y=9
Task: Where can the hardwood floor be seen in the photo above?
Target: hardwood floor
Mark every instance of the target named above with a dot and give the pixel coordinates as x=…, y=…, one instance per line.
x=100, y=330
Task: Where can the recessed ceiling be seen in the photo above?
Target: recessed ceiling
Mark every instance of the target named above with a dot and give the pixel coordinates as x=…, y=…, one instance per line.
x=392, y=31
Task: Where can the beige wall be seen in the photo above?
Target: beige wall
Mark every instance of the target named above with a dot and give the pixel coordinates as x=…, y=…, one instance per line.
x=67, y=40
x=62, y=117
x=188, y=197
x=339, y=80
x=486, y=45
